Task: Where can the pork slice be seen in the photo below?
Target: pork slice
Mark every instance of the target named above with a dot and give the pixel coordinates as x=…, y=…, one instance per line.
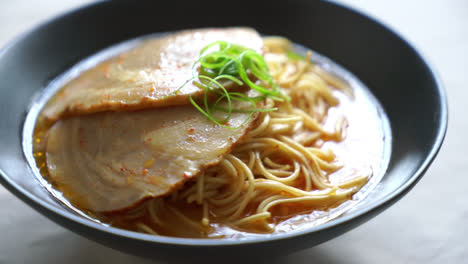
x=146, y=76
x=111, y=160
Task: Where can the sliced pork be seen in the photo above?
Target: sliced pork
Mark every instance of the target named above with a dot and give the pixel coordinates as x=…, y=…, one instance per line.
x=147, y=76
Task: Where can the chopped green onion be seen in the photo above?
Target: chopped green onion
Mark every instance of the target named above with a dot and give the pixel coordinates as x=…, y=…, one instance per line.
x=294, y=55
x=223, y=60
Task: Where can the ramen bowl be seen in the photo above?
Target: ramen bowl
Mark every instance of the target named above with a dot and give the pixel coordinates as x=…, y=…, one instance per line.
x=396, y=74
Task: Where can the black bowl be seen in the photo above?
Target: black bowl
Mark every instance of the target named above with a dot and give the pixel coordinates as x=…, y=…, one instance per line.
x=394, y=71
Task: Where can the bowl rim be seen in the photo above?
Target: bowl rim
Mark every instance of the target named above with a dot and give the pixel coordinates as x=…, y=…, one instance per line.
x=30, y=199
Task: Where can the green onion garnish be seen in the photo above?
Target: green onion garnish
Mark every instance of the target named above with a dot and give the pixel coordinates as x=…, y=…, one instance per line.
x=222, y=60
x=294, y=55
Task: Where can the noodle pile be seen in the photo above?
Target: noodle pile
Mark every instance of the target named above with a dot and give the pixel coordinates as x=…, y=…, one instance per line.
x=280, y=168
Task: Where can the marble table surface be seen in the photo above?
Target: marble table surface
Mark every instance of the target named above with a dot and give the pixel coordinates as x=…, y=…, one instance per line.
x=429, y=225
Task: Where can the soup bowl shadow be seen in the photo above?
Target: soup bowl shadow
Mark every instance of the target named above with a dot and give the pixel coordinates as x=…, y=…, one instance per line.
x=397, y=75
